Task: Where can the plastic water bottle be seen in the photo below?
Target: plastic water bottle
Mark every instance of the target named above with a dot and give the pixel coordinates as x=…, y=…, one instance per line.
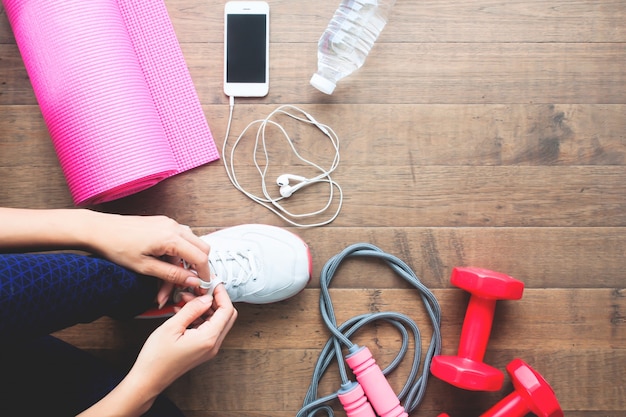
x=348, y=39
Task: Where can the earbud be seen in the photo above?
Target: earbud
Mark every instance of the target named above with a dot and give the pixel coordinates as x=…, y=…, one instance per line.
x=286, y=190
x=285, y=178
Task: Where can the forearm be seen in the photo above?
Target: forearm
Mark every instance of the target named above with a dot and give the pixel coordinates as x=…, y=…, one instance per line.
x=46, y=229
x=131, y=398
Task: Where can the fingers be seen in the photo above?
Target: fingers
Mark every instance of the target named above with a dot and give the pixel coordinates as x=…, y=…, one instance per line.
x=225, y=314
x=191, y=311
x=190, y=252
x=195, y=240
x=181, y=248
x=158, y=238
x=222, y=299
x=194, y=251
x=198, y=306
x=169, y=272
x=164, y=293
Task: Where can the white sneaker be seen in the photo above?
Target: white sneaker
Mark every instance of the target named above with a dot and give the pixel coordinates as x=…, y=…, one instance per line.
x=259, y=264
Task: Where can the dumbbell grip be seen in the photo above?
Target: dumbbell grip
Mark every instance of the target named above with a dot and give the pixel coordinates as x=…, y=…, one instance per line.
x=354, y=401
x=375, y=385
x=476, y=328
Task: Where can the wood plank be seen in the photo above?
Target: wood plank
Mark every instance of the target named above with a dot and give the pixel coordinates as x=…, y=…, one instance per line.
x=408, y=196
x=469, y=135
x=541, y=257
x=432, y=73
x=402, y=196
x=430, y=21
x=238, y=380
x=507, y=73
x=257, y=382
x=578, y=319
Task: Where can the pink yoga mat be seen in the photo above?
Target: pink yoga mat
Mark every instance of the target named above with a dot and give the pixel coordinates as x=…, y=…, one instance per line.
x=114, y=91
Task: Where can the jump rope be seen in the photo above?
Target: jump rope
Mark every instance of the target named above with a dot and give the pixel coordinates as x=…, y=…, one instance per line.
x=371, y=394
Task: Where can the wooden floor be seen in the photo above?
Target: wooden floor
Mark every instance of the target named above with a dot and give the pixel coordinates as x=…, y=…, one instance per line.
x=479, y=133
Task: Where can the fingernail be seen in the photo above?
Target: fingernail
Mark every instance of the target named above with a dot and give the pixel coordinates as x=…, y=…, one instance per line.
x=192, y=282
x=162, y=301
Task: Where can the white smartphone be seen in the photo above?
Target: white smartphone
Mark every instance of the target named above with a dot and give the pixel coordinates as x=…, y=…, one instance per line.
x=246, y=48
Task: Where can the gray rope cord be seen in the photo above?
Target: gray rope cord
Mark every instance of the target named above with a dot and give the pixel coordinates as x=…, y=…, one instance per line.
x=414, y=389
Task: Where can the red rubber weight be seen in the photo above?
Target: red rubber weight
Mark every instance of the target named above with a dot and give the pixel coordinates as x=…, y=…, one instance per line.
x=467, y=370
x=532, y=395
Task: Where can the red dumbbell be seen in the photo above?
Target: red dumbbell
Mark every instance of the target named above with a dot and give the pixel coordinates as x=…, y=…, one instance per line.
x=532, y=395
x=467, y=370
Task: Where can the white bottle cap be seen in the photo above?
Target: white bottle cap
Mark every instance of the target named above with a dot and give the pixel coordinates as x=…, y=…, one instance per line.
x=324, y=85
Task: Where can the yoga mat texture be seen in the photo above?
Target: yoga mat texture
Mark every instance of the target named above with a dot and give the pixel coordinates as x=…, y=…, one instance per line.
x=114, y=91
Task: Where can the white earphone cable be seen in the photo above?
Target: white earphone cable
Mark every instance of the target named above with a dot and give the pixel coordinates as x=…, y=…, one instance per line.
x=274, y=203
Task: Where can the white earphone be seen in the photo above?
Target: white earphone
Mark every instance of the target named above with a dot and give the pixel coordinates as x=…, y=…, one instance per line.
x=287, y=189
x=288, y=183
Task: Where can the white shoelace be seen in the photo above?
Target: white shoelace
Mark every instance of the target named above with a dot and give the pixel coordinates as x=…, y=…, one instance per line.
x=233, y=268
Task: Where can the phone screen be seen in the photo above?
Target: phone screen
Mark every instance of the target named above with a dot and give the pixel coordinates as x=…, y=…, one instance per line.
x=246, y=48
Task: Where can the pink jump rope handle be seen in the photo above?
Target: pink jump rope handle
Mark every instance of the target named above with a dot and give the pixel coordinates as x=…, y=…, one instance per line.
x=375, y=385
x=354, y=401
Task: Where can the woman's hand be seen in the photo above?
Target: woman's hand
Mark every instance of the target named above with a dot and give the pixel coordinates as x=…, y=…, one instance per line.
x=146, y=244
x=149, y=245
x=155, y=246
x=190, y=337
x=137, y=242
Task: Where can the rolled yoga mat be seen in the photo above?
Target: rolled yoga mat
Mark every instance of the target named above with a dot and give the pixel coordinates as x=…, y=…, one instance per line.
x=114, y=91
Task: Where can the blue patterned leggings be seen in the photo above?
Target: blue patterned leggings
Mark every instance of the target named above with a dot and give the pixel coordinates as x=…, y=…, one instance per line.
x=43, y=293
